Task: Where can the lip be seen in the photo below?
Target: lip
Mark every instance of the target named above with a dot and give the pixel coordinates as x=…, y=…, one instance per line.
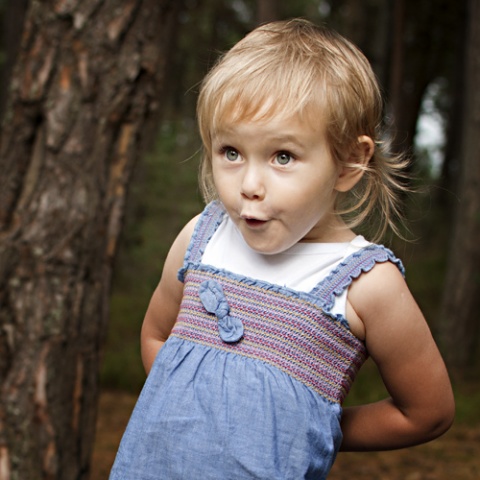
x=253, y=222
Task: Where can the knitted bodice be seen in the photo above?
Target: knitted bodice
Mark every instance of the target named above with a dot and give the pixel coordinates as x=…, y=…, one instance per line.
x=292, y=331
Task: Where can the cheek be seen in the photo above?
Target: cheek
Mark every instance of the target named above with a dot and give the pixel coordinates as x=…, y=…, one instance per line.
x=218, y=178
x=207, y=173
x=224, y=187
x=314, y=200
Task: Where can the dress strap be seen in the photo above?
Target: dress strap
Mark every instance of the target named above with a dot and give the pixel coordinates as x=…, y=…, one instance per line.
x=207, y=224
x=350, y=269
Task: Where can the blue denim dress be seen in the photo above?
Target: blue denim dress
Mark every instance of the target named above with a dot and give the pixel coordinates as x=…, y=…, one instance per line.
x=251, y=381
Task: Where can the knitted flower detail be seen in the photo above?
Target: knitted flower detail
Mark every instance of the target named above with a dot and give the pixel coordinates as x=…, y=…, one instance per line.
x=213, y=299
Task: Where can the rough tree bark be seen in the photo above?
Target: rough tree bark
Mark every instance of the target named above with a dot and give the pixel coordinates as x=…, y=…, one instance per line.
x=13, y=20
x=85, y=93
x=461, y=299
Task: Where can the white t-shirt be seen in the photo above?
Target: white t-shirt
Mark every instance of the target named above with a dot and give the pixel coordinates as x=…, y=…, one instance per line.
x=301, y=267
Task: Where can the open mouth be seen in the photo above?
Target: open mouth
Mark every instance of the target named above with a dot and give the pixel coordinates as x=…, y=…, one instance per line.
x=254, y=222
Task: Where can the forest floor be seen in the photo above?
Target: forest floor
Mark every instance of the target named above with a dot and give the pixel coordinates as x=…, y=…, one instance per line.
x=454, y=456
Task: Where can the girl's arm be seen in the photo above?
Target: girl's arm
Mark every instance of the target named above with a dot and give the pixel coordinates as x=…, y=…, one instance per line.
x=421, y=405
x=165, y=302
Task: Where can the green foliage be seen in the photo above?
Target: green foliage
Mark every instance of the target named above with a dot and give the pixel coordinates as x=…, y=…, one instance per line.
x=368, y=386
x=122, y=366
x=467, y=398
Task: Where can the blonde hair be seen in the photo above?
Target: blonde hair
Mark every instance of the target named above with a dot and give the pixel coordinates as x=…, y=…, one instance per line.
x=297, y=68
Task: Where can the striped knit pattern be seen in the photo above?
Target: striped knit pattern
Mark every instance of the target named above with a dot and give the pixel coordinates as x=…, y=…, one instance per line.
x=285, y=331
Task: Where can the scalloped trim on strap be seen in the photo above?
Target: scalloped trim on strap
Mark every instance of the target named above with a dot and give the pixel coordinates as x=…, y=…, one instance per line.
x=206, y=226
x=350, y=269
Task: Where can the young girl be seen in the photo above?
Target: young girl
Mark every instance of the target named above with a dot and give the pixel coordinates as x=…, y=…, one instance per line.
x=269, y=303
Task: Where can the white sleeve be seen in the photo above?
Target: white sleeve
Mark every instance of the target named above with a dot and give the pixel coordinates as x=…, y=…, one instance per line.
x=340, y=304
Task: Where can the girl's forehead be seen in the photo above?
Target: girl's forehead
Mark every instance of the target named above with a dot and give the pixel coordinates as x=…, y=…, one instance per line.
x=291, y=131
x=271, y=110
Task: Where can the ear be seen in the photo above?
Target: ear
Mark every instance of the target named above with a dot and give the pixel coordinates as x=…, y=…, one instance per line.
x=353, y=168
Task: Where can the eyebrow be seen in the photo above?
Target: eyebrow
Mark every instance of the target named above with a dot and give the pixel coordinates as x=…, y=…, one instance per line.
x=286, y=138
x=280, y=138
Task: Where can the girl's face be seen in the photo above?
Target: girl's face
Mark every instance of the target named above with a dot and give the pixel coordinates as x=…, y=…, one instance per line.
x=278, y=183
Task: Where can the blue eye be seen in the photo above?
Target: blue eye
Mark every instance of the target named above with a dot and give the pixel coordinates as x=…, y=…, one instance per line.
x=283, y=158
x=231, y=154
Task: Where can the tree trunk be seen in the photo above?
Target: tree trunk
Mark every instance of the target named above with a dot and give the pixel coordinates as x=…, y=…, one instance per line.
x=85, y=92
x=455, y=115
x=421, y=46
x=13, y=21
x=461, y=299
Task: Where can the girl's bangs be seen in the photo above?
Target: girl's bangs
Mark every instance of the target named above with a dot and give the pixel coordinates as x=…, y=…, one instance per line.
x=254, y=104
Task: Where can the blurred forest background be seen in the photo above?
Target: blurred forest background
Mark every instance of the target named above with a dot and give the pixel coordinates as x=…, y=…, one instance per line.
x=417, y=52
x=420, y=51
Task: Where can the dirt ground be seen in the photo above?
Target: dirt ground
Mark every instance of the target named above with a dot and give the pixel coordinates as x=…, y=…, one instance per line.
x=455, y=456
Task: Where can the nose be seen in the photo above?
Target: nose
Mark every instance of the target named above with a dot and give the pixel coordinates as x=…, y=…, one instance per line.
x=253, y=185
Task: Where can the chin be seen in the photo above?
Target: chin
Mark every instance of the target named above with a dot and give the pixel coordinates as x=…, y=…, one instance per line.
x=267, y=250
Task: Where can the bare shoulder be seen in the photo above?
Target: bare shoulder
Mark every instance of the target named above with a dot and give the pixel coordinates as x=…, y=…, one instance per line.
x=176, y=255
x=371, y=292
x=186, y=233
x=182, y=241
x=393, y=322
x=168, y=294
x=382, y=284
